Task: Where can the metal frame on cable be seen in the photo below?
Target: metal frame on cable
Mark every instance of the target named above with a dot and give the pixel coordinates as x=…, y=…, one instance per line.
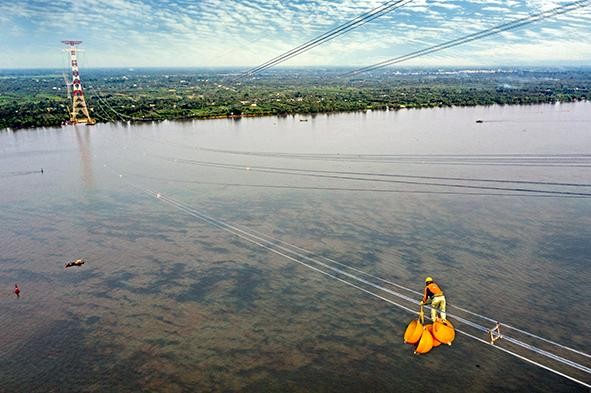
x=495, y=333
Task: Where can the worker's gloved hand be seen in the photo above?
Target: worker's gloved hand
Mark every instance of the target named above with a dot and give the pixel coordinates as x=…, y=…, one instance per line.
x=421, y=303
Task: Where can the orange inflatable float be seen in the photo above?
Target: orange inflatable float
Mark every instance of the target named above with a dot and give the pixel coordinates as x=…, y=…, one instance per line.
x=444, y=331
x=425, y=343
x=436, y=342
x=413, y=332
x=426, y=337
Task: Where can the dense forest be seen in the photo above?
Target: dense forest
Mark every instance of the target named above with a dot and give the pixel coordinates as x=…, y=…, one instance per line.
x=34, y=98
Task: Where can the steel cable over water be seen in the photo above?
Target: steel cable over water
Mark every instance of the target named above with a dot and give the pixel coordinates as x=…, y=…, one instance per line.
x=320, y=174
x=458, y=162
x=396, y=158
x=475, y=36
x=422, y=161
x=516, y=192
x=525, y=160
x=283, y=154
x=404, y=176
x=283, y=251
x=359, y=21
x=584, y=164
x=366, y=282
x=257, y=240
x=391, y=283
x=403, y=287
x=395, y=284
x=350, y=189
x=419, y=293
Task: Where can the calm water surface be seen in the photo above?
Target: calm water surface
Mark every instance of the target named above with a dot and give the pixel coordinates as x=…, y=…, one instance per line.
x=167, y=302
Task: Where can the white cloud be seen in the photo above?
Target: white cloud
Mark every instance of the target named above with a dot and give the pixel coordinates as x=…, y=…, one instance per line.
x=240, y=32
x=566, y=50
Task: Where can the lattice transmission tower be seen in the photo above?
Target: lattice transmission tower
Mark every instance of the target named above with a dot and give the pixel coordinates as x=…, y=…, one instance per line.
x=79, y=112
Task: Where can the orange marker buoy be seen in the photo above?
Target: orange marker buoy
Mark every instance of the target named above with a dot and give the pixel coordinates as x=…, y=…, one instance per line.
x=436, y=342
x=426, y=342
x=444, y=331
x=413, y=332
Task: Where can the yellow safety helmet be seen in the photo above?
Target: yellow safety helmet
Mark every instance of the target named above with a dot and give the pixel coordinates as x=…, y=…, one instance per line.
x=428, y=279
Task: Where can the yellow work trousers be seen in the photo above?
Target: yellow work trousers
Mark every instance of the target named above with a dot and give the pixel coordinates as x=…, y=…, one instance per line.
x=438, y=303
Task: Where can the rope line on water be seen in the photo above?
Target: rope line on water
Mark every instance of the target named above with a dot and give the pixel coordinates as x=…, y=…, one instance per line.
x=283, y=251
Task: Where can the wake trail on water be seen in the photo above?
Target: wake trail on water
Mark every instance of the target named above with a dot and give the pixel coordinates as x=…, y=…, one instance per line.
x=18, y=173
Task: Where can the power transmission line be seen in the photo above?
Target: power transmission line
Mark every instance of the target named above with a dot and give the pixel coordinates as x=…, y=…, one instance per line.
x=349, y=189
x=337, y=176
x=475, y=36
x=307, y=259
x=362, y=19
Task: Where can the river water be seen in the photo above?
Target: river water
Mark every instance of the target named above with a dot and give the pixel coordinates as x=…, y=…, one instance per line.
x=169, y=302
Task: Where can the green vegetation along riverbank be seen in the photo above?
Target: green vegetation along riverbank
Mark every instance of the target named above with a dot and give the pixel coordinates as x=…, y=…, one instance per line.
x=35, y=98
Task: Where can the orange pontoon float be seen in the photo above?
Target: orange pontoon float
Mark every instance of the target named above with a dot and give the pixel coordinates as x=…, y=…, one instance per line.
x=428, y=336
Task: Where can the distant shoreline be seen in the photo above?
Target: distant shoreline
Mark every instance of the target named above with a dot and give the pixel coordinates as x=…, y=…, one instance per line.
x=308, y=114
x=157, y=95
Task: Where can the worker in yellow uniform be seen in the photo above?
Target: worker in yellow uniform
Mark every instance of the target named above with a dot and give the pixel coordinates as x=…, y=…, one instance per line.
x=434, y=294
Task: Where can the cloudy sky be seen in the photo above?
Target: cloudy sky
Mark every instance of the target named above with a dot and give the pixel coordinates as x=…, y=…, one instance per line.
x=180, y=33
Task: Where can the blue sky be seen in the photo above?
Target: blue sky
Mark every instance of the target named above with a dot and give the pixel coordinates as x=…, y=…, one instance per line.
x=181, y=33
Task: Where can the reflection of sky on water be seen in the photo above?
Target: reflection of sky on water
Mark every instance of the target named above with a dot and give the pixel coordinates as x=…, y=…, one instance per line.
x=167, y=302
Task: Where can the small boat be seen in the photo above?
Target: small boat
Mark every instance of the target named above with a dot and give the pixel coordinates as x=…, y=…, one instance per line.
x=77, y=262
x=479, y=121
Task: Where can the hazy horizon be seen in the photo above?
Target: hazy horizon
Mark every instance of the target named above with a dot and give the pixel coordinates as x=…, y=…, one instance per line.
x=458, y=68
